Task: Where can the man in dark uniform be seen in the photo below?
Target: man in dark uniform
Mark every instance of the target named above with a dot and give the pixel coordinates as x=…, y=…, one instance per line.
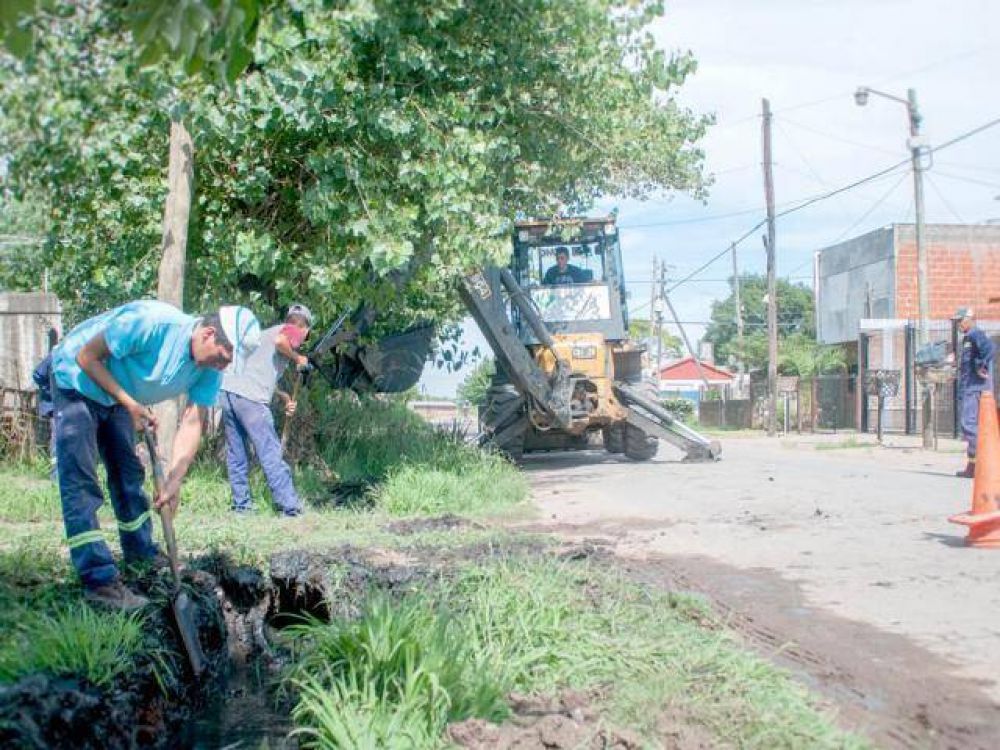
x=564, y=273
x=975, y=375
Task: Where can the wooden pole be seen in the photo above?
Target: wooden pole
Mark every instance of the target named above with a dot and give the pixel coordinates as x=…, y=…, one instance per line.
x=170, y=281
x=772, y=294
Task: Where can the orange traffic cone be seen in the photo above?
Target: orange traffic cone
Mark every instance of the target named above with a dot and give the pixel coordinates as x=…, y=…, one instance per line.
x=984, y=518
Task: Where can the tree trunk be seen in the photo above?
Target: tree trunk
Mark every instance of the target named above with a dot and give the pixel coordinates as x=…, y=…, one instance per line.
x=170, y=283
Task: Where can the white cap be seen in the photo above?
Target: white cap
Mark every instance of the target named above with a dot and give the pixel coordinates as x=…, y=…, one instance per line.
x=243, y=330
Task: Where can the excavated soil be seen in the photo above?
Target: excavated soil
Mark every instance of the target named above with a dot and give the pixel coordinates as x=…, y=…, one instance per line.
x=562, y=722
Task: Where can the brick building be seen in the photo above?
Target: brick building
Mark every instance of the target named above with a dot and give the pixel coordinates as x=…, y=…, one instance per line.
x=866, y=301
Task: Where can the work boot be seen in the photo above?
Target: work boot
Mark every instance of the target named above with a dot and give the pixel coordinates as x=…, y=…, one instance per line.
x=115, y=595
x=969, y=472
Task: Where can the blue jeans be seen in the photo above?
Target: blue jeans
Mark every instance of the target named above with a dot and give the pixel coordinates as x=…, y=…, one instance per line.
x=85, y=431
x=970, y=420
x=249, y=420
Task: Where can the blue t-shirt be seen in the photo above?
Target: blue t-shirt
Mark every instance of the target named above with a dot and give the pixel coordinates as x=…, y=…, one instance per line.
x=150, y=346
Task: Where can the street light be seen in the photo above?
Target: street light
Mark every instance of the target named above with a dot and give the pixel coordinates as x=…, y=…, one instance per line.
x=916, y=146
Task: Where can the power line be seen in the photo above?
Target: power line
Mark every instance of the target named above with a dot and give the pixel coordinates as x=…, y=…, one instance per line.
x=944, y=200
x=830, y=194
x=970, y=180
x=873, y=207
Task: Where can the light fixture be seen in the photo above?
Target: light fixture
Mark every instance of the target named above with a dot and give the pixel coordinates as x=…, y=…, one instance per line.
x=861, y=96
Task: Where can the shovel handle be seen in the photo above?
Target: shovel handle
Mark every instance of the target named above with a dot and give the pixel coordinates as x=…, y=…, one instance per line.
x=166, y=515
x=288, y=417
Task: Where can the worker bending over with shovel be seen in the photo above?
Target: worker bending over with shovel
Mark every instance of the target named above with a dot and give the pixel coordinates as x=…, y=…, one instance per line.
x=246, y=412
x=105, y=374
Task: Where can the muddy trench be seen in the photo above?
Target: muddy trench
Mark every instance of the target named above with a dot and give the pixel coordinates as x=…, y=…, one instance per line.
x=235, y=703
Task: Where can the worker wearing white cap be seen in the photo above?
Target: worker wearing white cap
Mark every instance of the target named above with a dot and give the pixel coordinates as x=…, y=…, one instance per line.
x=106, y=373
x=246, y=413
x=975, y=370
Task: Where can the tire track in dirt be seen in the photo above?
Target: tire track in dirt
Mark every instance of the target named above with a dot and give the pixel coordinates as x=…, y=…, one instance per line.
x=884, y=686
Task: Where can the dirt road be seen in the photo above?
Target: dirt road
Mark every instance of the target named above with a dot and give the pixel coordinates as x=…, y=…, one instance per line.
x=839, y=563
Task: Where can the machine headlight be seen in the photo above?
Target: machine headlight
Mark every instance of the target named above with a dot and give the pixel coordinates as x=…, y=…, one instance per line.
x=584, y=352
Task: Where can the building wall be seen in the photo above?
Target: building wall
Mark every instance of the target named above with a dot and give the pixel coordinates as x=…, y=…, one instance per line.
x=854, y=280
x=25, y=321
x=963, y=269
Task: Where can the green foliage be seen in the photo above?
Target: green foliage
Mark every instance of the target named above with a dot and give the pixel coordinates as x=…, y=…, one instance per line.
x=801, y=355
x=374, y=151
x=488, y=487
x=393, y=678
x=473, y=389
x=539, y=626
x=22, y=231
x=73, y=641
x=795, y=316
x=191, y=34
x=679, y=408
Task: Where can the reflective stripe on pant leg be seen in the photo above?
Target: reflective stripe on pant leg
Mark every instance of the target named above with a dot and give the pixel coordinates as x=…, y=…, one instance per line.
x=116, y=441
x=79, y=488
x=237, y=460
x=259, y=423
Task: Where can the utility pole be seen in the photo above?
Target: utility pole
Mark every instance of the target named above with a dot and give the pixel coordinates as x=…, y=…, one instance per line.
x=772, y=293
x=917, y=149
x=655, y=319
x=739, y=313
x=928, y=432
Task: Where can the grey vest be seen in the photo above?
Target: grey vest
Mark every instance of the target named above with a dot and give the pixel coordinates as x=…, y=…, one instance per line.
x=262, y=370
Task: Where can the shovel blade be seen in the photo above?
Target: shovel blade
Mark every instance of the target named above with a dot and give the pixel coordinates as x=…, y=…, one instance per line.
x=184, y=615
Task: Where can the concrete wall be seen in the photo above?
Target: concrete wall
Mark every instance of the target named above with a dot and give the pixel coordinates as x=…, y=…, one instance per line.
x=849, y=277
x=25, y=321
x=963, y=269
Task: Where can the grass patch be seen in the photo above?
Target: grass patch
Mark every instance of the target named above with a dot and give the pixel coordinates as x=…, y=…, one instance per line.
x=417, y=490
x=539, y=626
x=74, y=640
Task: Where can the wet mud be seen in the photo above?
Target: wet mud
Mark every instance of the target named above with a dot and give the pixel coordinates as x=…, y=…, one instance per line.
x=141, y=709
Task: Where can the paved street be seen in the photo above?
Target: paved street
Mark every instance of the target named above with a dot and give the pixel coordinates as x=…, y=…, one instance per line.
x=840, y=558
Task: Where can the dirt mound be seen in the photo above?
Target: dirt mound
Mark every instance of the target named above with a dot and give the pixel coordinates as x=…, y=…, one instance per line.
x=447, y=522
x=544, y=723
x=336, y=583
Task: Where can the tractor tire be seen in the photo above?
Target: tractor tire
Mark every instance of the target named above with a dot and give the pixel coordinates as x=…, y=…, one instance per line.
x=614, y=438
x=503, y=420
x=638, y=445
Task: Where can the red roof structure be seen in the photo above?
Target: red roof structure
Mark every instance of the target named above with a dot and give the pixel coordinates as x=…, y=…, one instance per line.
x=686, y=370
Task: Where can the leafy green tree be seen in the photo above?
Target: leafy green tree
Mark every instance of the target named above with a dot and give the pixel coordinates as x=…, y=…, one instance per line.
x=473, y=389
x=214, y=36
x=22, y=229
x=372, y=151
x=801, y=355
x=795, y=316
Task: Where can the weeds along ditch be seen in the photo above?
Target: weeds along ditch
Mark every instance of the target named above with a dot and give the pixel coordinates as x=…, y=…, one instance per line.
x=397, y=613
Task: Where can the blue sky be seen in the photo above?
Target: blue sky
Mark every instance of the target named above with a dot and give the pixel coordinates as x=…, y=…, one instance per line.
x=808, y=57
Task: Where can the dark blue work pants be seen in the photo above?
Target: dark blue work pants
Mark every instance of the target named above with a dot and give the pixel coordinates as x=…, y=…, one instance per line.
x=247, y=420
x=85, y=431
x=969, y=406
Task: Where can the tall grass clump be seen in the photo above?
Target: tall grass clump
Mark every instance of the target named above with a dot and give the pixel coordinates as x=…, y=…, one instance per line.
x=491, y=485
x=399, y=671
x=396, y=677
x=417, y=468
x=73, y=641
